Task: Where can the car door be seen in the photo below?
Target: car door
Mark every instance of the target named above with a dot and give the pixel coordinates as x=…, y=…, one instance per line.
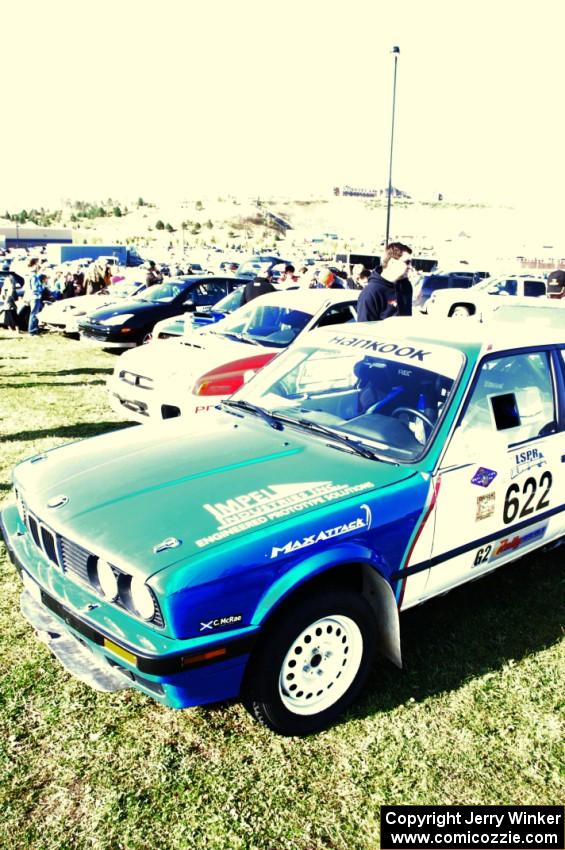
x=502, y=478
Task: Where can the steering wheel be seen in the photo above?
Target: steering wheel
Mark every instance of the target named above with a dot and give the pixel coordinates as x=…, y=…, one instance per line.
x=413, y=412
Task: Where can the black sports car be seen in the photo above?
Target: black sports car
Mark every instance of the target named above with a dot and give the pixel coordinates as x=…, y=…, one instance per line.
x=130, y=323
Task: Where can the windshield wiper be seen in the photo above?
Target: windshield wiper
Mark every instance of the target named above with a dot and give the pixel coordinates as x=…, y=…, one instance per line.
x=355, y=445
x=240, y=336
x=273, y=421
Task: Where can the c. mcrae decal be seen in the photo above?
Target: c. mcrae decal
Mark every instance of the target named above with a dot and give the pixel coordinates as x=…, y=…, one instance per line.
x=483, y=476
x=326, y=534
x=526, y=460
x=273, y=502
x=382, y=347
x=217, y=622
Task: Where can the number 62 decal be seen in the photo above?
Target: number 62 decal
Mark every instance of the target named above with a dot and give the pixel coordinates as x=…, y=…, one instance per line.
x=521, y=502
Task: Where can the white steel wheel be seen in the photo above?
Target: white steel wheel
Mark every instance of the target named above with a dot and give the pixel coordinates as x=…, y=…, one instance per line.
x=311, y=661
x=320, y=665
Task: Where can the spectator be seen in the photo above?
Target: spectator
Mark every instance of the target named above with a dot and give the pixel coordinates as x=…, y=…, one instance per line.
x=383, y=296
x=353, y=281
x=94, y=279
x=556, y=284
x=8, y=310
x=328, y=280
x=253, y=288
x=36, y=288
x=288, y=275
x=153, y=275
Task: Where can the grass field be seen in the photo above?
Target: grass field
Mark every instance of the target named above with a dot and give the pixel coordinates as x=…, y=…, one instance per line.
x=475, y=717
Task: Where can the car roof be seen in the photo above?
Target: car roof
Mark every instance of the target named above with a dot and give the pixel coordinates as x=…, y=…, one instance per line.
x=309, y=299
x=462, y=335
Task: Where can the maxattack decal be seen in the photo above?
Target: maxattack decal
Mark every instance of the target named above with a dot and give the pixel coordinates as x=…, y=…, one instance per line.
x=517, y=541
x=526, y=460
x=485, y=506
x=483, y=476
x=218, y=622
x=273, y=502
x=361, y=522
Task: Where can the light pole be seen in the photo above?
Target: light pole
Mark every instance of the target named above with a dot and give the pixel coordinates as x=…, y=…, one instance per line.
x=396, y=52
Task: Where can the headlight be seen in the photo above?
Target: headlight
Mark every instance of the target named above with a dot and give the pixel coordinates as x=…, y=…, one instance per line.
x=107, y=580
x=142, y=599
x=120, y=319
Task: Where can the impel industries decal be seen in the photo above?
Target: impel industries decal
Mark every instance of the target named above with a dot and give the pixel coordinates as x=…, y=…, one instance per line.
x=363, y=521
x=273, y=502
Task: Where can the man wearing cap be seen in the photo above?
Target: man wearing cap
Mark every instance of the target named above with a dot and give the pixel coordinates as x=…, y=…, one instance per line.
x=328, y=280
x=556, y=284
x=388, y=293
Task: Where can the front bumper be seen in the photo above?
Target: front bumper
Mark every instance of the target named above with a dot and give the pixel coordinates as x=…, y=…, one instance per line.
x=178, y=673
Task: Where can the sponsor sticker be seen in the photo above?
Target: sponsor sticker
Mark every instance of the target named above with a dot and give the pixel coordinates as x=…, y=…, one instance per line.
x=219, y=622
x=275, y=501
x=485, y=506
x=517, y=541
x=359, y=523
x=525, y=460
x=483, y=476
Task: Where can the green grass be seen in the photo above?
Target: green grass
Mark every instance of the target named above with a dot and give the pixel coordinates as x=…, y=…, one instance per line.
x=475, y=717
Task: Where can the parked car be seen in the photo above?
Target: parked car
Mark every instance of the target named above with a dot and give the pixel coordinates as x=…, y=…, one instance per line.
x=64, y=315
x=517, y=311
x=430, y=283
x=132, y=322
x=179, y=325
x=158, y=381
x=473, y=302
x=266, y=552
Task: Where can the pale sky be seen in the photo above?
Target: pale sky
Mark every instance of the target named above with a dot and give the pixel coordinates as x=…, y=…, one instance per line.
x=176, y=98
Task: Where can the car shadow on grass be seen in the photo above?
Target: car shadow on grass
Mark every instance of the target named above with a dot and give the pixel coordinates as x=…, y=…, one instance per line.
x=31, y=384
x=60, y=372
x=476, y=629
x=77, y=431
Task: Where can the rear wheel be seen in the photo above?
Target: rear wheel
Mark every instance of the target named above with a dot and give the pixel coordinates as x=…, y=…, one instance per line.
x=311, y=665
x=460, y=312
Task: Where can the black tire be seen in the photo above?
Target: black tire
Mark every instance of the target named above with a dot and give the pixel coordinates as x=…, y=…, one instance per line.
x=336, y=624
x=147, y=337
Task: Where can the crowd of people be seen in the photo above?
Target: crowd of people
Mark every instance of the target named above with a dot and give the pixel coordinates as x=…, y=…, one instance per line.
x=383, y=293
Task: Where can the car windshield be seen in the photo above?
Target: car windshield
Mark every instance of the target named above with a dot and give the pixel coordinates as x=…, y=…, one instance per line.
x=392, y=403
x=229, y=302
x=125, y=290
x=275, y=325
x=164, y=291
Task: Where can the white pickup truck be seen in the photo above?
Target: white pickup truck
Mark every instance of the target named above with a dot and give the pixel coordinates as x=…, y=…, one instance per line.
x=483, y=296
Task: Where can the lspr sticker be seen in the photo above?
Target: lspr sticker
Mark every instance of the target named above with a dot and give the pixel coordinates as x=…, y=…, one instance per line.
x=485, y=506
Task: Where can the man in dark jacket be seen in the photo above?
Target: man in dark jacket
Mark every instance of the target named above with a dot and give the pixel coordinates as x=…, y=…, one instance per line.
x=388, y=293
x=256, y=287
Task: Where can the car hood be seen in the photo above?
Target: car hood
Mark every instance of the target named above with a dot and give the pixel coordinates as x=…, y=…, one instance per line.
x=123, y=494
x=131, y=305
x=190, y=357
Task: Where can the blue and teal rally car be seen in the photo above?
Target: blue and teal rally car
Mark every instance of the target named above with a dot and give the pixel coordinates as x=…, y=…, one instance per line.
x=268, y=552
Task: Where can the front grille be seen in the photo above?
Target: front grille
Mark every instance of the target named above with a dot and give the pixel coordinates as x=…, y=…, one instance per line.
x=76, y=560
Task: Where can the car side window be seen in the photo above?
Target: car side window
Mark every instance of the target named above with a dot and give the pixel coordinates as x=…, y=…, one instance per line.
x=513, y=397
x=337, y=314
x=534, y=288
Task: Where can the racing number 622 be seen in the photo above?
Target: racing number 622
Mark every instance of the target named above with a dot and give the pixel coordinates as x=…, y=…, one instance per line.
x=514, y=504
